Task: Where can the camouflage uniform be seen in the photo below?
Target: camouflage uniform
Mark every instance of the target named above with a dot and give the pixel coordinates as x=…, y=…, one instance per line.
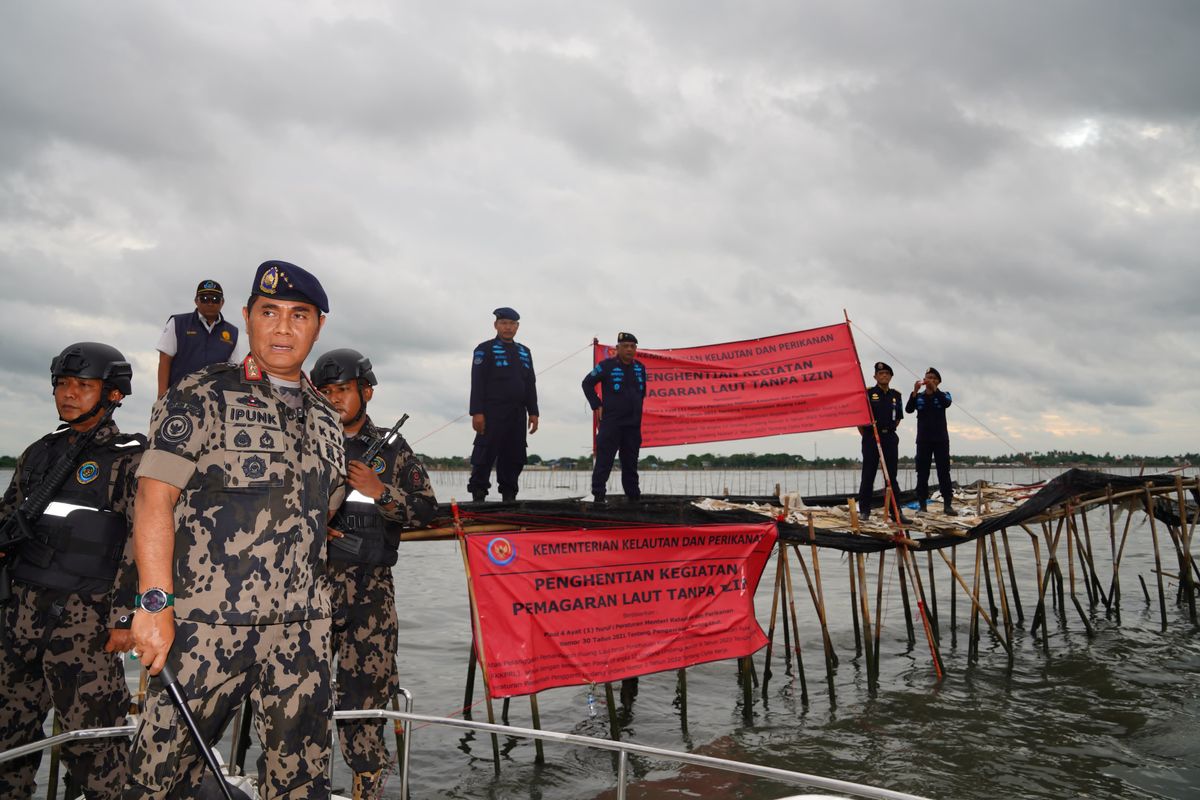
x=258, y=479
x=54, y=650
x=365, y=628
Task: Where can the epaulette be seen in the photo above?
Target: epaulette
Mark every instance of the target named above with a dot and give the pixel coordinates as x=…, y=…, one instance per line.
x=250, y=369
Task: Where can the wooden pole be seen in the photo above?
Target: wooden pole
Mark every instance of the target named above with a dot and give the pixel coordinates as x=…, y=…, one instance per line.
x=864, y=608
x=819, y=606
x=478, y=631
x=1162, y=599
x=1012, y=577
x=974, y=598
x=858, y=647
x=1114, y=590
x=791, y=596
x=1008, y=625
x=771, y=626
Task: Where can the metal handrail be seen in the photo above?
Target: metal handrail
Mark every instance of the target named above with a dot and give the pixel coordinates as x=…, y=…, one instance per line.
x=623, y=749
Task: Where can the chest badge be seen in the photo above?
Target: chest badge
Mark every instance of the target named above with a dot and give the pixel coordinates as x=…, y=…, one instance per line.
x=242, y=439
x=266, y=440
x=378, y=465
x=88, y=472
x=251, y=400
x=254, y=467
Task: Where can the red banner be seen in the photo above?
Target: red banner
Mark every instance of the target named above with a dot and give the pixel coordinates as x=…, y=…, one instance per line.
x=791, y=383
x=569, y=607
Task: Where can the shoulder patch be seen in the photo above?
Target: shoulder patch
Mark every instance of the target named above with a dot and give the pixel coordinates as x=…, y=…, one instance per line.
x=175, y=429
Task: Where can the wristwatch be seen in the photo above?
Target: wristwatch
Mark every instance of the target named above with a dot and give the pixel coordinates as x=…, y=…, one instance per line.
x=385, y=499
x=154, y=600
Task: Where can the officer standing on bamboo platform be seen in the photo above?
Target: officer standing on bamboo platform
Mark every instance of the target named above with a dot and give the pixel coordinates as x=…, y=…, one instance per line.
x=196, y=339
x=503, y=391
x=618, y=416
x=73, y=582
x=244, y=468
x=887, y=409
x=933, y=440
x=390, y=493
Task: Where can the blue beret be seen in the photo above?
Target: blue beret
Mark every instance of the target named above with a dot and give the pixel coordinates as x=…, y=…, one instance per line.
x=284, y=281
x=504, y=312
x=626, y=337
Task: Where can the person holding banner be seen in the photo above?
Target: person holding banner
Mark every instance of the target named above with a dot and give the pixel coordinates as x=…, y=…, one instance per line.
x=929, y=403
x=887, y=411
x=617, y=415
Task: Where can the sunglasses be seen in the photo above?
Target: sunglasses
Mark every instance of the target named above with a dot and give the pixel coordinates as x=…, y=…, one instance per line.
x=209, y=298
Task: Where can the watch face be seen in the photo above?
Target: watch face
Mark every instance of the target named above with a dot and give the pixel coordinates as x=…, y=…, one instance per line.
x=154, y=600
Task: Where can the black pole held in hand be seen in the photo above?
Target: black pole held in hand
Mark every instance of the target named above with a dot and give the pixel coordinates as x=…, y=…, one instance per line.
x=175, y=690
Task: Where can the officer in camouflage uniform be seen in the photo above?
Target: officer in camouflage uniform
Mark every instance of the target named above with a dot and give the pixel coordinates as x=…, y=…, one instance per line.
x=244, y=467
x=73, y=583
x=390, y=493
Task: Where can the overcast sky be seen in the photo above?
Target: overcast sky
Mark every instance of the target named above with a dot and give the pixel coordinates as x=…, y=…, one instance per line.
x=1008, y=191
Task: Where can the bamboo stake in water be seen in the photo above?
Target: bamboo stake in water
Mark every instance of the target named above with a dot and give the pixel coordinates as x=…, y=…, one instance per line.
x=1162, y=599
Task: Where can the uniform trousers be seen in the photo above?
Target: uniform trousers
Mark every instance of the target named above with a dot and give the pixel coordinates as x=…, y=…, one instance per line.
x=611, y=440
x=502, y=444
x=365, y=634
x=870, y=459
x=939, y=452
x=54, y=656
x=284, y=669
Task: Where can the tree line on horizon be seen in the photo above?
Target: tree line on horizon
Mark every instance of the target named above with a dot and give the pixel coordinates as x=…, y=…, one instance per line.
x=1051, y=458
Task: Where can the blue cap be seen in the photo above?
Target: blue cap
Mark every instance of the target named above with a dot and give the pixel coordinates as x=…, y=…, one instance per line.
x=504, y=312
x=284, y=281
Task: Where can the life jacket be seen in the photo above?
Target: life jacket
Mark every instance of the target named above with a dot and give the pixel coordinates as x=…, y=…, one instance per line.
x=370, y=538
x=78, y=541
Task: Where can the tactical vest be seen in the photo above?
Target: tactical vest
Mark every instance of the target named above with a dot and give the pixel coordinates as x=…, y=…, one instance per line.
x=196, y=347
x=370, y=538
x=78, y=541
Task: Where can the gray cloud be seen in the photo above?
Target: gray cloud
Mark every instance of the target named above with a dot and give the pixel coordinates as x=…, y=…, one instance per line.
x=1008, y=193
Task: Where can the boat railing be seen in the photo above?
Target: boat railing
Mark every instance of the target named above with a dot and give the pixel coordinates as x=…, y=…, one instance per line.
x=623, y=750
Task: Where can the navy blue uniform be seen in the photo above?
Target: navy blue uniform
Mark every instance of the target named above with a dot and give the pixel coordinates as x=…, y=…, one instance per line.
x=196, y=347
x=504, y=390
x=620, y=431
x=933, y=442
x=886, y=407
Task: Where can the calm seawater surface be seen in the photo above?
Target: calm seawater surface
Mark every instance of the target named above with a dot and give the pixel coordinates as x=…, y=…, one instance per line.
x=1111, y=715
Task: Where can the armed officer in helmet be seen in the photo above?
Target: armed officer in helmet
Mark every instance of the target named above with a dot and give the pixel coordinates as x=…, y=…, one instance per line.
x=390, y=493
x=72, y=580
x=503, y=391
x=244, y=467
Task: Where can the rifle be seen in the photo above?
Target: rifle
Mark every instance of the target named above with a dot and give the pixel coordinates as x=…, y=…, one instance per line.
x=348, y=541
x=18, y=528
x=382, y=441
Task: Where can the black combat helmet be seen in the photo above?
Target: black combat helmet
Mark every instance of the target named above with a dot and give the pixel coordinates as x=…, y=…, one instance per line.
x=342, y=366
x=94, y=360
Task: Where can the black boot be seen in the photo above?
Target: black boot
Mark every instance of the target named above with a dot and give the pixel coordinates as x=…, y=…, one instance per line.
x=508, y=497
x=923, y=508
x=479, y=497
x=950, y=512
x=599, y=500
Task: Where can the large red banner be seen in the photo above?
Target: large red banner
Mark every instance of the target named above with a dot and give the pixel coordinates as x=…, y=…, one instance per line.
x=791, y=383
x=569, y=607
